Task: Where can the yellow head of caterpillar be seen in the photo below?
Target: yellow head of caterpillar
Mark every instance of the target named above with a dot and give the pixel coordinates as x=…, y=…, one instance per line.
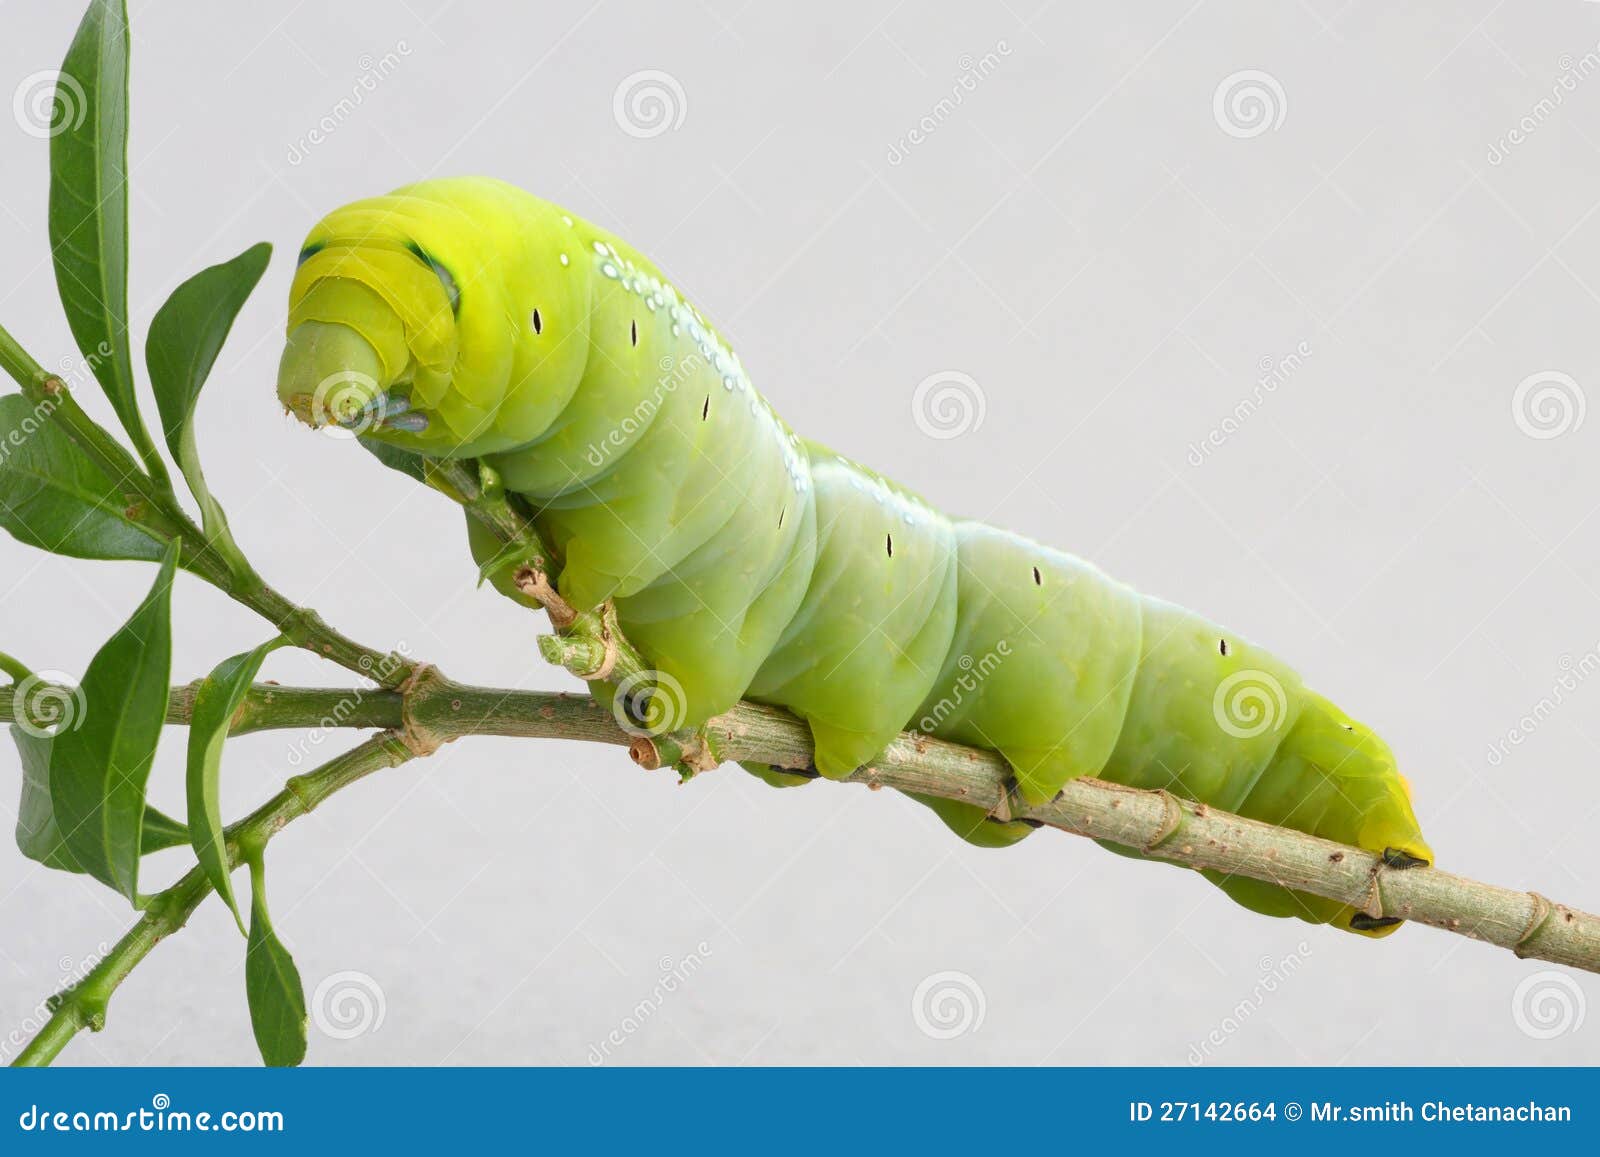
x=441, y=317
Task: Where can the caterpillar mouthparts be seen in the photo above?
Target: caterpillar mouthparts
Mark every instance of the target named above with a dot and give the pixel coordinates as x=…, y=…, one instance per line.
x=400, y=420
x=331, y=376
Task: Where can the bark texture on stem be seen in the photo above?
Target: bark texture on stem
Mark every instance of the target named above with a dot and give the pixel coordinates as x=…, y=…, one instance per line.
x=1154, y=822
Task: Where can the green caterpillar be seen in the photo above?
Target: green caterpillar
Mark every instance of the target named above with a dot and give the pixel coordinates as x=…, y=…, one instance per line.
x=466, y=318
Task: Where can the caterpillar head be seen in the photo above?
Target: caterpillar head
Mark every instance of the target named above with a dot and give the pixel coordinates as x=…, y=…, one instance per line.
x=440, y=318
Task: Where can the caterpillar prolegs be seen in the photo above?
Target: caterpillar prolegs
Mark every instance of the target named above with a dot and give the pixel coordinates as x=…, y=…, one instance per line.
x=466, y=318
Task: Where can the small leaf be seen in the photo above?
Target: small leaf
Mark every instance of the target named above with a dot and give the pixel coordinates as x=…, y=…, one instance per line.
x=272, y=983
x=498, y=562
x=89, y=207
x=161, y=831
x=39, y=838
x=214, y=705
x=409, y=464
x=98, y=769
x=182, y=346
x=53, y=497
x=509, y=557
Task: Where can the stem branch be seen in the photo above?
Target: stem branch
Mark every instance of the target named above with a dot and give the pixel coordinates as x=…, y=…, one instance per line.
x=419, y=709
x=84, y=1004
x=152, y=505
x=1154, y=822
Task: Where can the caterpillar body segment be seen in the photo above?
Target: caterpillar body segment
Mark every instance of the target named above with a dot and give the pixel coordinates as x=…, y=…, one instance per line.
x=465, y=318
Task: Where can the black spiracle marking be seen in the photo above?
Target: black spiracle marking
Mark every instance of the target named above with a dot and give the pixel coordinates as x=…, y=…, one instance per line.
x=538, y=322
x=1402, y=859
x=705, y=410
x=636, y=705
x=1361, y=922
x=633, y=332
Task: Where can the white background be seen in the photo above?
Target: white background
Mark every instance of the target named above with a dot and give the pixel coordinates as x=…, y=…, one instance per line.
x=1084, y=239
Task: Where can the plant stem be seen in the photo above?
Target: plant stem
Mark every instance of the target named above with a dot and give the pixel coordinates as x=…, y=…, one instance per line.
x=525, y=547
x=591, y=645
x=421, y=709
x=145, y=499
x=84, y=1005
x=306, y=629
x=153, y=507
x=1161, y=825
x=267, y=707
x=14, y=668
x=1154, y=822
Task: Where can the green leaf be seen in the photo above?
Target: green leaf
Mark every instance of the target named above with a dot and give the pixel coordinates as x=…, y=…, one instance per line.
x=510, y=556
x=161, y=831
x=39, y=838
x=409, y=464
x=99, y=768
x=89, y=208
x=272, y=983
x=54, y=497
x=184, y=340
x=215, y=702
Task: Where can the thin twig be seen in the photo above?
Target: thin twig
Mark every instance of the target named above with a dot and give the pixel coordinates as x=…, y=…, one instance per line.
x=84, y=1004
x=1154, y=822
x=590, y=644
x=153, y=508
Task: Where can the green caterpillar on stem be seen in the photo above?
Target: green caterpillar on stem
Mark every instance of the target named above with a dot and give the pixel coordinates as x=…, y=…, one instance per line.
x=465, y=318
